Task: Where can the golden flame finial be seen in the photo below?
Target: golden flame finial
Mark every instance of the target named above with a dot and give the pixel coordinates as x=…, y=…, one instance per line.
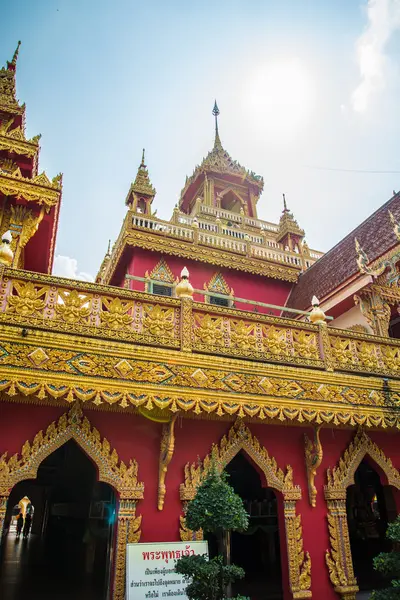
x=13, y=62
x=215, y=112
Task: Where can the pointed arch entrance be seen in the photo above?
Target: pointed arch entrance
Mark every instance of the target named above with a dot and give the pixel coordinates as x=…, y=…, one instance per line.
x=73, y=425
x=339, y=557
x=240, y=439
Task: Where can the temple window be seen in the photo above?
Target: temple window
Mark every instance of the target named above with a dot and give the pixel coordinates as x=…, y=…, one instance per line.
x=219, y=286
x=161, y=280
x=230, y=201
x=141, y=206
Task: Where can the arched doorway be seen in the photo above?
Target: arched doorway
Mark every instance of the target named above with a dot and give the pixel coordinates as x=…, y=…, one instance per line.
x=370, y=506
x=68, y=551
x=258, y=549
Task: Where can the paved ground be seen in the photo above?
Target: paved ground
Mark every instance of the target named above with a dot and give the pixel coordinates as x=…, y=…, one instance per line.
x=363, y=595
x=28, y=572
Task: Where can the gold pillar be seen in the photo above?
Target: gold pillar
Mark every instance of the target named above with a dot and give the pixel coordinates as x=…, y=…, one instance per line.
x=299, y=561
x=128, y=532
x=3, y=508
x=338, y=558
x=186, y=324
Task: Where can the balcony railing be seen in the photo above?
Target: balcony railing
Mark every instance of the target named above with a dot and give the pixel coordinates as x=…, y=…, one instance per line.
x=33, y=301
x=231, y=240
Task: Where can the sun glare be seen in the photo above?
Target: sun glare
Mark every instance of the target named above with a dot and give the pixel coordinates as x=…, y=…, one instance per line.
x=281, y=96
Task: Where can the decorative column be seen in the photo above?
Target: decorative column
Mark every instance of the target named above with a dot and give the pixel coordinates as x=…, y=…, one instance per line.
x=128, y=532
x=376, y=311
x=299, y=561
x=338, y=558
x=184, y=291
x=3, y=508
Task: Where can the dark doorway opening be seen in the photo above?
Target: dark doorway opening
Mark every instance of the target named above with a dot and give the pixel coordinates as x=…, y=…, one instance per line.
x=370, y=507
x=258, y=549
x=67, y=554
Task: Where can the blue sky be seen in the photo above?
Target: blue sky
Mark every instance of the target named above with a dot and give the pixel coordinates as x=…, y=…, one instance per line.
x=308, y=93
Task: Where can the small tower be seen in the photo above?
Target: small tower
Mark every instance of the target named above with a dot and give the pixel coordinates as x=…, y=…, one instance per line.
x=220, y=182
x=141, y=193
x=289, y=233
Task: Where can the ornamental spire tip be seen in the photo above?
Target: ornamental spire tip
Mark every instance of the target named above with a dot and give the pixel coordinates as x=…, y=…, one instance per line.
x=215, y=112
x=13, y=63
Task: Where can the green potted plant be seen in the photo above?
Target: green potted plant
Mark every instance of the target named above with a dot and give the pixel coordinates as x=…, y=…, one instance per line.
x=215, y=509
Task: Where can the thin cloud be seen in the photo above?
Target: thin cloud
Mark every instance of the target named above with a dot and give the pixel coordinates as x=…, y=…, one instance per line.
x=65, y=266
x=383, y=21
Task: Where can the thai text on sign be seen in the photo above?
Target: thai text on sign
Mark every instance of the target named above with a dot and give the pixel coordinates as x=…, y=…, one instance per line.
x=150, y=569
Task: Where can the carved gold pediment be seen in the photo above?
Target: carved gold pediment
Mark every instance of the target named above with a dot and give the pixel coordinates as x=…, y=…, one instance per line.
x=71, y=425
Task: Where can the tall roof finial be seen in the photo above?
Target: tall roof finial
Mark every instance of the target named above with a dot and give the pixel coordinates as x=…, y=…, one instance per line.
x=285, y=208
x=13, y=63
x=109, y=248
x=215, y=112
x=142, y=164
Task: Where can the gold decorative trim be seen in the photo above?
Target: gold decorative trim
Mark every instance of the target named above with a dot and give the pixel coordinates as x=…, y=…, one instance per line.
x=338, y=557
x=160, y=242
x=71, y=425
x=32, y=190
x=123, y=478
x=342, y=476
x=218, y=284
x=162, y=272
x=166, y=453
x=240, y=438
x=313, y=454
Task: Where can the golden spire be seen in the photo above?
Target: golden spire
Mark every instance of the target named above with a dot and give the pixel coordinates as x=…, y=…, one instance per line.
x=285, y=208
x=142, y=183
x=217, y=141
x=13, y=63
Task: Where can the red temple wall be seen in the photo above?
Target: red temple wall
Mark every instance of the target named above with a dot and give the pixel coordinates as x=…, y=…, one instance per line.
x=136, y=437
x=245, y=285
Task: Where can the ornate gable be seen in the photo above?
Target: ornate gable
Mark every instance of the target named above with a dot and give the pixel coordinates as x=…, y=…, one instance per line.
x=161, y=272
x=218, y=285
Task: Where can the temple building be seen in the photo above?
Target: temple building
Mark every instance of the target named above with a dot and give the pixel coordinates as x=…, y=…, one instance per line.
x=213, y=334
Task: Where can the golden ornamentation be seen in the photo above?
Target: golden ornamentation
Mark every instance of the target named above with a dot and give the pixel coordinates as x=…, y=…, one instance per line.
x=23, y=224
x=340, y=477
x=39, y=189
x=313, y=454
x=161, y=272
x=186, y=324
x=74, y=307
x=359, y=328
x=326, y=347
x=159, y=321
x=375, y=310
x=117, y=316
x=166, y=453
x=123, y=478
x=242, y=335
x=128, y=532
x=305, y=344
x=208, y=330
x=299, y=561
x=164, y=244
x=28, y=300
x=71, y=425
x=218, y=285
x=338, y=558
x=240, y=438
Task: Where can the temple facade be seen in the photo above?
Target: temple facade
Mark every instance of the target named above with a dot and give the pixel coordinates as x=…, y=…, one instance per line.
x=213, y=334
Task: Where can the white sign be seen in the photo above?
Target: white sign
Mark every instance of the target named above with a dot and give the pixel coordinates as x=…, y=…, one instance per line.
x=150, y=569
